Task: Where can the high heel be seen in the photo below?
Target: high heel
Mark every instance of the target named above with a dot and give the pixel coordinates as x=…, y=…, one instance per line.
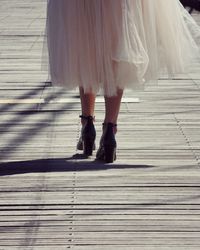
x=108, y=144
x=88, y=136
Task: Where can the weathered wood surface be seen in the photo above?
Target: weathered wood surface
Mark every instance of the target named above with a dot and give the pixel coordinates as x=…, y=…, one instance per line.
x=148, y=200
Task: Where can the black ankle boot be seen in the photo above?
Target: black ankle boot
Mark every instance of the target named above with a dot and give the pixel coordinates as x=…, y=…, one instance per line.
x=108, y=144
x=88, y=135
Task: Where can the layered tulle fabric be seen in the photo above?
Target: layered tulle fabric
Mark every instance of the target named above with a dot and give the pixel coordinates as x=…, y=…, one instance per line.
x=110, y=44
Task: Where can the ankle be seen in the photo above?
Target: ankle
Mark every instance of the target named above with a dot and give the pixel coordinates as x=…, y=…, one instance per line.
x=86, y=118
x=113, y=125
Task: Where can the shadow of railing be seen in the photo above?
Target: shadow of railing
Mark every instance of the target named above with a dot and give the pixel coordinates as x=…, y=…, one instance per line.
x=29, y=94
x=21, y=116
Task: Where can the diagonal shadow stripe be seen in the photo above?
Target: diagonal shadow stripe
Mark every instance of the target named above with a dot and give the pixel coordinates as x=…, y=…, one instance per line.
x=31, y=132
x=27, y=95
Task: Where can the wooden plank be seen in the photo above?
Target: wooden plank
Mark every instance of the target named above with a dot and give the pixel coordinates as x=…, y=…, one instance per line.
x=51, y=197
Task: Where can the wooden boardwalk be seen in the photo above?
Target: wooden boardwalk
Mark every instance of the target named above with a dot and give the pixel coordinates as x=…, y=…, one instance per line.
x=148, y=200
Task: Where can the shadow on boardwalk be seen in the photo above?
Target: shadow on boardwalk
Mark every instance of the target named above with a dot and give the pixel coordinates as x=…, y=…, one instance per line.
x=60, y=165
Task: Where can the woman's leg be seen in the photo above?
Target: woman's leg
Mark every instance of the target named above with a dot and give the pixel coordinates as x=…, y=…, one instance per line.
x=87, y=102
x=88, y=134
x=107, y=146
x=112, y=106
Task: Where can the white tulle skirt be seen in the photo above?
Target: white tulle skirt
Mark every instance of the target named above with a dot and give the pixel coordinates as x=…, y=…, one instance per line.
x=110, y=44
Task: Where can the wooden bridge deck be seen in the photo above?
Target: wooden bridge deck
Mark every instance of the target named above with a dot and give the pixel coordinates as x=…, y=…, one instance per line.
x=148, y=200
